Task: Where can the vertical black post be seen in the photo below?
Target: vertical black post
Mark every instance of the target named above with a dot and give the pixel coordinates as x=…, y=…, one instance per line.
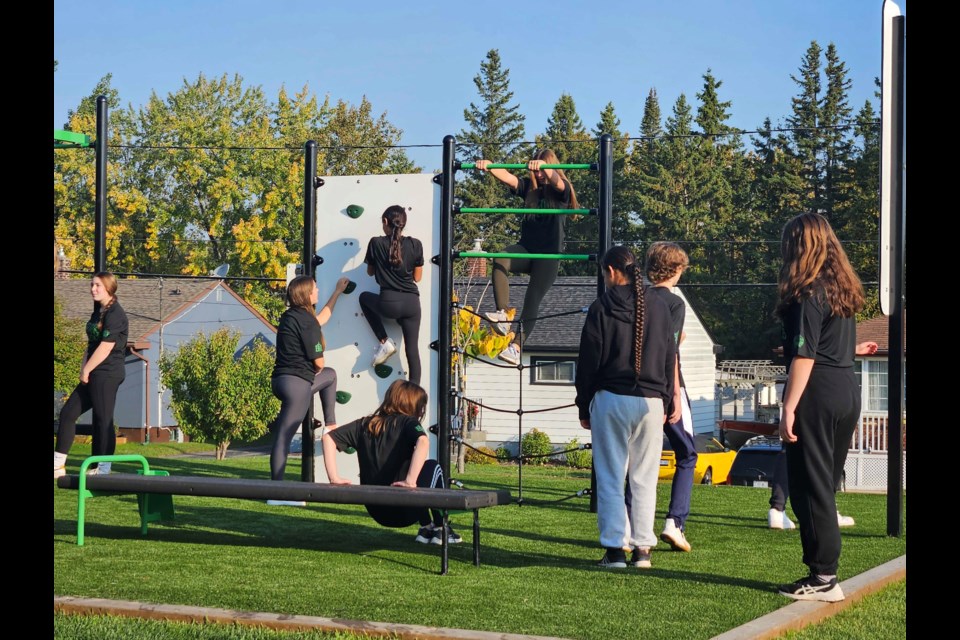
x=520, y=419
x=895, y=356
x=100, y=200
x=307, y=457
x=605, y=216
x=444, y=383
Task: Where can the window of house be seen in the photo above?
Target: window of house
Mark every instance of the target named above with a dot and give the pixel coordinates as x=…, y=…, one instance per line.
x=552, y=370
x=872, y=378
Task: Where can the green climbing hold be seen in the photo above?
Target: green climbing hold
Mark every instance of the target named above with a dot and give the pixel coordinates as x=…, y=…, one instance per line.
x=383, y=370
x=343, y=397
x=354, y=210
x=350, y=287
x=349, y=450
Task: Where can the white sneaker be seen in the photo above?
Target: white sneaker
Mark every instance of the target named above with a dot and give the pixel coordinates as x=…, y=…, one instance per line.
x=59, y=472
x=498, y=321
x=286, y=503
x=384, y=350
x=104, y=469
x=59, y=464
x=779, y=520
x=845, y=521
x=511, y=354
x=673, y=536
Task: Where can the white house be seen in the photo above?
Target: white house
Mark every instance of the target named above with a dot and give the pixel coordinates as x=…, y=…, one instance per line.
x=551, y=353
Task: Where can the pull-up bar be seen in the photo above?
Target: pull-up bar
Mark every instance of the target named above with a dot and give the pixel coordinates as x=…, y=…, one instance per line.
x=534, y=256
x=523, y=165
x=559, y=212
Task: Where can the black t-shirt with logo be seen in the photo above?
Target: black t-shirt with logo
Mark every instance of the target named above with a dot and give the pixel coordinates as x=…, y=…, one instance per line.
x=810, y=330
x=390, y=277
x=678, y=314
x=299, y=343
x=384, y=458
x=542, y=233
x=115, y=329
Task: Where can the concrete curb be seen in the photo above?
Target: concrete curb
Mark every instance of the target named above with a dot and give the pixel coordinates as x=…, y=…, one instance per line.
x=801, y=614
x=280, y=622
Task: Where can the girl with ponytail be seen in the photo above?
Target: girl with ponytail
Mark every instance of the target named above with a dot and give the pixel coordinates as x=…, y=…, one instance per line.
x=396, y=261
x=624, y=382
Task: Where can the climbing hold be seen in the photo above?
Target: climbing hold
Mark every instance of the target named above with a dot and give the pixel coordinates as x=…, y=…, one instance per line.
x=354, y=210
x=343, y=397
x=350, y=287
x=383, y=370
x=349, y=450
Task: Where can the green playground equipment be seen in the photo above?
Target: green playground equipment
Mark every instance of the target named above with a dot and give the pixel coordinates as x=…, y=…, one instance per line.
x=69, y=140
x=383, y=370
x=343, y=397
x=534, y=256
x=523, y=165
x=558, y=212
x=354, y=210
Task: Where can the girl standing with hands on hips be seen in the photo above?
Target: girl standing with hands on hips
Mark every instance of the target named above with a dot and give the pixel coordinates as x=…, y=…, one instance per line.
x=396, y=261
x=101, y=375
x=299, y=370
x=539, y=233
x=820, y=295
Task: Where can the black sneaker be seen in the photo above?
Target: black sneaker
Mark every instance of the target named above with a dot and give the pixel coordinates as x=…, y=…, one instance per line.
x=452, y=536
x=640, y=558
x=424, y=535
x=812, y=588
x=613, y=559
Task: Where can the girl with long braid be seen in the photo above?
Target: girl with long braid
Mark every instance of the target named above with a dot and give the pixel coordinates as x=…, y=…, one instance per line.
x=624, y=382
x=101, y=375
x=396, y=261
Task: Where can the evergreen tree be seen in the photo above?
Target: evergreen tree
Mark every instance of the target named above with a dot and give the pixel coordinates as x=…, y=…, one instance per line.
x=495, y=129
x=834, y=116
x=804, y=120
x=623, y=224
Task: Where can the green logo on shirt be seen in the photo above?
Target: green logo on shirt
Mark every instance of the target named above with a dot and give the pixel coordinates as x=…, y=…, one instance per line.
x=419, y=429
x=799, y=341
x=318, y=348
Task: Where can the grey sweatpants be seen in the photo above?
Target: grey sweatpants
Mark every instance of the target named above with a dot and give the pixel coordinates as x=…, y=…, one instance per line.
x=627, y=434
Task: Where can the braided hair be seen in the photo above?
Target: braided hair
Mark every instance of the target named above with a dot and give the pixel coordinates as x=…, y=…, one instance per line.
x=109, y=282
x=622, y=259
x=396, y=218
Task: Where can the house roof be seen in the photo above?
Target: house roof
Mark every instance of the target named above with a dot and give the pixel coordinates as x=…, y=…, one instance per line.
x=878, y=330
x=142, y=300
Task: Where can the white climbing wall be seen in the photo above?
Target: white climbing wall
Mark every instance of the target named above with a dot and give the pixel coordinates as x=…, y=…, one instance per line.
x=342, y=243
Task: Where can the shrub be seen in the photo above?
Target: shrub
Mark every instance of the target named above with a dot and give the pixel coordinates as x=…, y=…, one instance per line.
x=483, y=455
x=504, y=454
x=579, y=459
x=536, y=443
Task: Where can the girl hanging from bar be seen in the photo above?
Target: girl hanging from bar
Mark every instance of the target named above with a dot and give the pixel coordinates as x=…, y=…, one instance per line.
x=543, y=233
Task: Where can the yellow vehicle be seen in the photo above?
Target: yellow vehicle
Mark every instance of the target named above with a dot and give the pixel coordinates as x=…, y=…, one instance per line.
x=713, y=461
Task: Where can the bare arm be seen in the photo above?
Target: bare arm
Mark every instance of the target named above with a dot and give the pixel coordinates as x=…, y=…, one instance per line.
x=677, y=396
x=417, y=274
x=866, y=348
x=99, y=355
x=330, y=460
x=370, y=270
x=324, y=314
x=502, y=175
x=797, y=380
x=420, y=453
x=318, y=364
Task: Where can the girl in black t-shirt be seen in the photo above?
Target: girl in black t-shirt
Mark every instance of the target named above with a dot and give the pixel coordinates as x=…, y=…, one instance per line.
x=396, y=261
x=539, y=233
x=299, y=370
x=820, y=295
x=101, y=374
x=392, y=450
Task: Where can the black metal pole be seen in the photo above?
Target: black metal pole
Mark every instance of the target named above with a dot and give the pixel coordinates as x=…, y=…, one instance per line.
x=605, y=216
x=309, y=249
x=896, y=353
x=100, y=199
x=444, y=383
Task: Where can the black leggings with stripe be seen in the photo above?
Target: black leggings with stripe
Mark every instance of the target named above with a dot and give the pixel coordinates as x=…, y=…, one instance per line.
x=431, y=476
x=100, y=395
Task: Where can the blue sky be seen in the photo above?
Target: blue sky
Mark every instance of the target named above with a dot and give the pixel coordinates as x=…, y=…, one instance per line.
x=417, y=61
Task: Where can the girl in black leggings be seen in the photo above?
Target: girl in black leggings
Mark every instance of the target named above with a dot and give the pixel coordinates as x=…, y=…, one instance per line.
x=101, y=374
x=299, y=371
x=392, y=450
x=539, y=233
x=396, y=261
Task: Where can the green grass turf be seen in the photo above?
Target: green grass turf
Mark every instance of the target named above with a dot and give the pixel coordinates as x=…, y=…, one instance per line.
x=879, y=616
x=538, y=574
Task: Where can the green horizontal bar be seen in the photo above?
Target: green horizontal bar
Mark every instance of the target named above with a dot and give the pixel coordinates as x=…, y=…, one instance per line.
x=559, y=212
x=535, y=256
x=523, y=165
x=79, y=139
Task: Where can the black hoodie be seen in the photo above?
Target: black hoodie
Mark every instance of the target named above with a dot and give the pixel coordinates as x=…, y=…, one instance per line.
x=606, y=350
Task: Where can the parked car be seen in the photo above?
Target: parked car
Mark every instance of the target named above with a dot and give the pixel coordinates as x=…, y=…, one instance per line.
x=755, y=462
x=713, y=460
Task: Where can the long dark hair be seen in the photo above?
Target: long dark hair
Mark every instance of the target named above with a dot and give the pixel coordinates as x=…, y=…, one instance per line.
x=402, y=398
x=550, y=157
x=622, y=259
x=813, y=257
x=396, y=218
x=109, y=282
